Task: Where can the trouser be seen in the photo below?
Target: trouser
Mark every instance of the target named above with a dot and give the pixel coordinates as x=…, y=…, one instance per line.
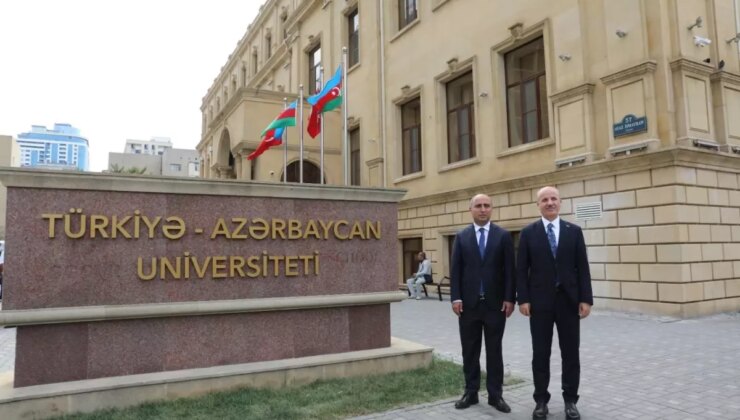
x=564, y=315
x=414, y=285
x=488, y=323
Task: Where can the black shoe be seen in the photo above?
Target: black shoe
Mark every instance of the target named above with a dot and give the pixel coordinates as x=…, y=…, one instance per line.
x=571, y=412
x=469, y=398
x=499, y=404
x=540, y=411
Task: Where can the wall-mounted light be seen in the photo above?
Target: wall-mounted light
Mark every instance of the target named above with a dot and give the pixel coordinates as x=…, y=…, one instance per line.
x=564, y=57
x=735, y=39
x=697, y=23
x=700, y=41
x=620, y=33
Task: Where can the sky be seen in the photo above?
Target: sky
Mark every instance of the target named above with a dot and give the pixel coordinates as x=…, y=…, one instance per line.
x=115, y=69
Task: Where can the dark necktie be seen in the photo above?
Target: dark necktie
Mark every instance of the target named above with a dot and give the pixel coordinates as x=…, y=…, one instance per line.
x=552, y=240
x=553, y=248
x=482, y=242
x=482, y=249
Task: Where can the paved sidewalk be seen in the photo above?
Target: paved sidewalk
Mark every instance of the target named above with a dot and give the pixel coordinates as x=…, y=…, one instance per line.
x=632, y=366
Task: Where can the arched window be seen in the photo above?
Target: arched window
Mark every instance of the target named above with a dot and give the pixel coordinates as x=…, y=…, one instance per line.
x=311, y=172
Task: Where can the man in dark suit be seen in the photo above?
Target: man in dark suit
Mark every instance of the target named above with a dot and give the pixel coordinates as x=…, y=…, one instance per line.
x=554, y=287
x=482, y=291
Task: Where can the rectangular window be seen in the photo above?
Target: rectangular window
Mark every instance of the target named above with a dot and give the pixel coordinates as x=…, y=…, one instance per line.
x=354, y=156
x=254, y=62
x=411, y=247
x=268, y=47
x=411, y=136
x=526, y=93
x=175, y=167
x=314, y=61
x=283, y=26
x=460, y=119
x=353, y=29
x=407, y=12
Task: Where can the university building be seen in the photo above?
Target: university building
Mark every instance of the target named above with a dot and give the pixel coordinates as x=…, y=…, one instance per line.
x=630, y=108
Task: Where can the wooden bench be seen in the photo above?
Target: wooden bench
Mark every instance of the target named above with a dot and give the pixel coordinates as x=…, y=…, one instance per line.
x=445, y=282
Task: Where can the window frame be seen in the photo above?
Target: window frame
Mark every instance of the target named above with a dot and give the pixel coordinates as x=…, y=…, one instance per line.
x=543, y=129
x=407, y=164
x=313, y=69
x=354, y=156
x=458, y=110
x=405, y=18
x=353, y=37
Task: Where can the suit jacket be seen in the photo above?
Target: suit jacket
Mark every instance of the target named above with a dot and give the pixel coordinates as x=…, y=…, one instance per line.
x=495, y=269
x=537, y=268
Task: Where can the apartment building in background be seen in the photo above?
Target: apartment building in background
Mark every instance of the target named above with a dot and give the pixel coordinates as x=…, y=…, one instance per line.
x=60, y=148
x=156, y=156
x=630, y=108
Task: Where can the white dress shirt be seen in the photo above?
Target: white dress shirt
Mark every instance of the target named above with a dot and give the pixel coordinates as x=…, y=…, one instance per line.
x=555, y=227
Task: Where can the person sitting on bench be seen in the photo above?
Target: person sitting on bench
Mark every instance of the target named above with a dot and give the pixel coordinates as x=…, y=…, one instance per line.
x=423, y=275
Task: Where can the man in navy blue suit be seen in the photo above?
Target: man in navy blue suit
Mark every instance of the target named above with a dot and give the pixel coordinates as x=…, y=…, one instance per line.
x=482, y=291
x=554, y=288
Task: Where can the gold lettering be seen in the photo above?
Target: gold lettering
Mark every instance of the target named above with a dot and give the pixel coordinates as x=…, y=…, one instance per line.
x=175, y=229
x=68, y=224
x=219, y=263
x=165, y=265
x=291, y=266
x=140, y=269
x=201, y=270
x=98, y=223
x=151, y=224
x=316, y=262
x=187, y=264
x=264, y=263
x=237, y=234
x=294, y=229
x=336, y=230
x=356, y=231
x=137, y=226
x=305, y=259
x=235, y=264
x=278, y=228
x=311, y=229
x=254, y=267
x=221, y=229
x=326, y=227
x=372, y=231
x=275, y=259
x=52, y=219
x=117, y=226
x=259, y=232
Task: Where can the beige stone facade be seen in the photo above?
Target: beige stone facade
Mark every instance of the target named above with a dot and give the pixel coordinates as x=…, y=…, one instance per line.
x=629, y=107
x=10, y=155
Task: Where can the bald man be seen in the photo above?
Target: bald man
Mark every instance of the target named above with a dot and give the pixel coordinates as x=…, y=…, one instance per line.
x=554, y=289
x=482, y=292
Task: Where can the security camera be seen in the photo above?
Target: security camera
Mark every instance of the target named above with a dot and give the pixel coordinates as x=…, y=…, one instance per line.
x=700, y=41
x=272, y=173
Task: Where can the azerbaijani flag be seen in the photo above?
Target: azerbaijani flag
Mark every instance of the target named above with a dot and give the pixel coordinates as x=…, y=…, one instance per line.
x=285, y=119
x=274, y=137
x=329, y=98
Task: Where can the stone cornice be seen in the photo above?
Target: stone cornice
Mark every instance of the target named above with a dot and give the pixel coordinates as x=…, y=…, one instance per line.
x=674, y=156
x=630, y=72
x=726, y=77
x=580, y=90
x=690, y=66
x=34, y=178
x=158, y=310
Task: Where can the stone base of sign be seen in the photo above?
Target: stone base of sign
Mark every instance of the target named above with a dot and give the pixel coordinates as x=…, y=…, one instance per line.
x=48, y=400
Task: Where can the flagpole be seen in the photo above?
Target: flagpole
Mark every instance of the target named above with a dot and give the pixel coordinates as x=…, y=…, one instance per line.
x=321, y=143
x=345, y=137
x=285, y=147
x=300, y=130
